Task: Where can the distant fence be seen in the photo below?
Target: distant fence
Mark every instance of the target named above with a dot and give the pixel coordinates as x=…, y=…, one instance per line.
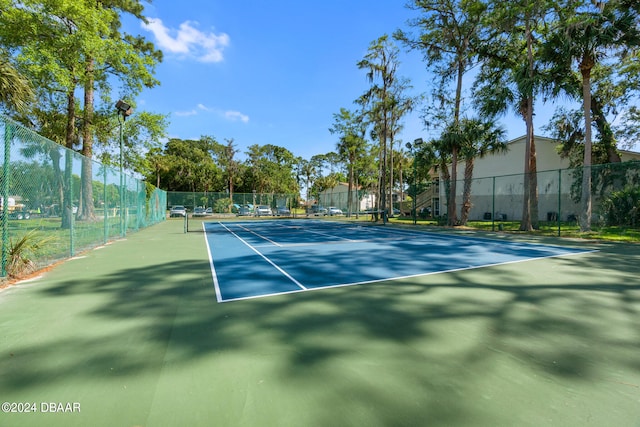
x=55, y=202
x=225, y=203
x=555, y=202
x=615, y=192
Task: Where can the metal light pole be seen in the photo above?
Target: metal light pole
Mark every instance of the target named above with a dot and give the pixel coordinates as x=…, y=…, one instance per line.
x=124, y=111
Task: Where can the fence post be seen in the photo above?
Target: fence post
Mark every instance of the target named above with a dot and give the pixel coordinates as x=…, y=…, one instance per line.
x=104, y=206
x=559, y=200
x=8, y=137
x=493, y=205
x=69, y=168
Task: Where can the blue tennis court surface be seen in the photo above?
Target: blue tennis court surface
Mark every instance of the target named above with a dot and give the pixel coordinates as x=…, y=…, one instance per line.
x=261, y=258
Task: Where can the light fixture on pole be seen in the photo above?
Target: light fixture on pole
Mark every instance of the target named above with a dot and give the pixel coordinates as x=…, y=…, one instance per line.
x=124, y=110
x=412, y=147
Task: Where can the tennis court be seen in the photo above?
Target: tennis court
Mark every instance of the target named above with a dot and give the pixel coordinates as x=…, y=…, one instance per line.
x=131, y=334
x=253, y=259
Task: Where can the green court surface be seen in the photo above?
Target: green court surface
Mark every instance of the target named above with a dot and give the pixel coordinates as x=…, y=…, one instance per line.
x=131, y=335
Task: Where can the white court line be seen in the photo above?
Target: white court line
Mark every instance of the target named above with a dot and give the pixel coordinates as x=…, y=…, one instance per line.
x=300, y=285
x=259, y=235
x=216, y=284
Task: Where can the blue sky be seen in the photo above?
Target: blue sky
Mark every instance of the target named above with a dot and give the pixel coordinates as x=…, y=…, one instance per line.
x=271, y=72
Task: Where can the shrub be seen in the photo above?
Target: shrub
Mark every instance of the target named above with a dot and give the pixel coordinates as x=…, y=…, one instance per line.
x=623, y=207
x=22, y=253
x=222, y=205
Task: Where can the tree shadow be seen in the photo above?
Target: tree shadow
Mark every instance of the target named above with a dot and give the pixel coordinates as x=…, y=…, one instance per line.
x=441, y=334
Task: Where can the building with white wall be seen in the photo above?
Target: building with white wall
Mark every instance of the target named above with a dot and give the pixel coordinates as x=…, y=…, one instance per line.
x=498, y=182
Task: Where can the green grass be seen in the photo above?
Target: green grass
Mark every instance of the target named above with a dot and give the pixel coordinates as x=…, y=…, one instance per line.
x=86, y=234
x=566, y=229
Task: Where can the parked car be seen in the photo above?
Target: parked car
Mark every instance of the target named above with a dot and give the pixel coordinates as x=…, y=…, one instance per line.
x=199, y=211
x=244, y=211
x=282, y=211
x=178, y=211
x=334, y=211
x=263, y=210
x=317, y=210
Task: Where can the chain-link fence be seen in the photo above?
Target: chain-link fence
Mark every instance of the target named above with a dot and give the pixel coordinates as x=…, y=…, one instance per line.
x=361, y=200
x=557, y=199
x=498, y=201
x=203, y=205
x=55, y=202
x=225, y=203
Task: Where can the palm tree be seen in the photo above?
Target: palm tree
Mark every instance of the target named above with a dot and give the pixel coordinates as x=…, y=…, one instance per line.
x=308, y=171
x=437, y=154
x=381, y=63
x=510, y=78
x=585, y=32
x=352, y=145
x=15, y=90
x=478, y=140
x=450, y=38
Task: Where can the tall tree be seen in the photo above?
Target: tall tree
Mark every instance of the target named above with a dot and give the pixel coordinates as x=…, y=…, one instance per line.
x=479, y=138
x=449, y=38
x=511, y=78
x=272, y=169
x=307, y=171
x=585, y=33
x=381, y=102
x=226, y=157
x=189, y=166
x=352, y=145
x=401, y=105
x=66, y=46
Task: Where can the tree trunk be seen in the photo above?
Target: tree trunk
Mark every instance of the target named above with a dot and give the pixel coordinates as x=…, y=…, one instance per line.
x=382, y=190
x=86, y=209
x=466, y=192
x=533, y=184
x=585, y=220
x=526, y=225
x=447, y=182
x=390, y=203
x=350, y=189
x=451, y=205
x=70, y=136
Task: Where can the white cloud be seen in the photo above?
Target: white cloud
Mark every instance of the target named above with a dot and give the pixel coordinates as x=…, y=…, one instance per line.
x=205, y=108
x=186, y=113
x=230, y=115
x=188, y=40
x=236, y=115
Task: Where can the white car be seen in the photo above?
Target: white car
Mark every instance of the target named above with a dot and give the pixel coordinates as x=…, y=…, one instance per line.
x=332, y=210
x=178, y=211
x=263, y=210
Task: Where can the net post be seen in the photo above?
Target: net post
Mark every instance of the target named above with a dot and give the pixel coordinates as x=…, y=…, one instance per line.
x=186, y=222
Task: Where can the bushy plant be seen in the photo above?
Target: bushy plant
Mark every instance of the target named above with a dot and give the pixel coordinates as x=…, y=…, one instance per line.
x=623, y=207
x=222, y=205
x=23, y=251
